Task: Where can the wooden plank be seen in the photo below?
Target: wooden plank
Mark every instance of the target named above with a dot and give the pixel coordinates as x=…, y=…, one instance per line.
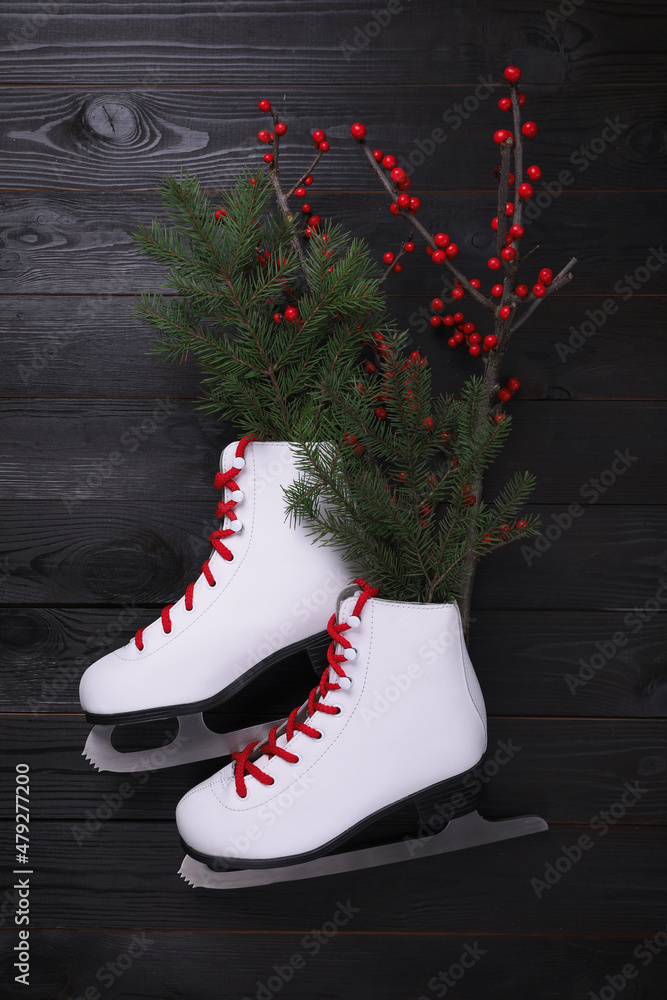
x=125, y=877
x=80, y=243
x=586, y=452
x=73, y=139
x=528, y=662
x=399, y=965
x=96, y=346
x=301, y=43
x=564, y=770
x=147, y=552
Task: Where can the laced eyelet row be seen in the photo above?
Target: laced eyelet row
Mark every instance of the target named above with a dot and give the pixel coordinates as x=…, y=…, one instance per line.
x=225, y=509
x=243, y=765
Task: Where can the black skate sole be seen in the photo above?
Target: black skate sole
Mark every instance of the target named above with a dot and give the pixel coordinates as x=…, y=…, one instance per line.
x=436, y=806
x=315, y=646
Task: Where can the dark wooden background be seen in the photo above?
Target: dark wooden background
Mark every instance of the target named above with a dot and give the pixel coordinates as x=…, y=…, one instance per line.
x=100, y=100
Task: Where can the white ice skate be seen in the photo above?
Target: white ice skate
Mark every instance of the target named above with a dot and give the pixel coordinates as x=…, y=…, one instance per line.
x=397, y=720
x=264, y=593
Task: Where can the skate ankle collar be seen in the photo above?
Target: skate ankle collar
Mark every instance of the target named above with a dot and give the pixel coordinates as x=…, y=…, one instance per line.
x=243, y=762
x=224, y=509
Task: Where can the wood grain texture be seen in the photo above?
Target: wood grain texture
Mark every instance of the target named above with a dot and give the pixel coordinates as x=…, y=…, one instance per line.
x=96, y=346
x=81, y=243
x=126, y=877
x=564, y=770
x=263, y=44
x=535, y=967
x=528, y=662
x=114, y=552
x=129, y=139
x=122, y=450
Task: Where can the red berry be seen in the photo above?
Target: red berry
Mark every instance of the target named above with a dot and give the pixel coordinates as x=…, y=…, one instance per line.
x=529, y=129
x=398, y=174
x=403, y=201
x=458, y=317
x=314, y=221
x=539, y=290
x=469, y=328
x=448, y=320
x=428, y=423
x=504, y=312
x=475, y=350
x=394, y=209
x=429, y=250
x=490, y=341
x=438, y=256
x=280, y=128
x=498, y=418
x=505, y=103
x=522, y=99
x=510, y=179
x=453, y=342
x=291, y=313
x=277, y=317
x=512, y=74
x=509, y=208
x=435, y=321
x=497, y=291
x=475, y=338
x=475, y=282
x=415, y=205
x=264, y=136
x=513, y=384
x=458, y=337
x=377, y=155
x=522, y=525
x=415, y=356
x=220, y=213
x=452, y=250
x=516, y=231
x=441, y=239
x=398, y=267
x=404, y=185
x=457, y=293
x=268, y=157
x=437, y=305
x=381, y=413
x=494, y=263
x=546, y=275
x=494, y=222
x=369, y=367
x=319, y=135
x=504, y=395
x=525, y=190
x=509, y=253
x=305, y=208
x=324, y=147
x=388, y=162
x=309, y=180
x=264, y=106
x=358, y=130
x=300, y=192
x=508, y=239
x=409, y=247
x=388, y=257
x=501, y=135
x=521, y=291
x=533, y=173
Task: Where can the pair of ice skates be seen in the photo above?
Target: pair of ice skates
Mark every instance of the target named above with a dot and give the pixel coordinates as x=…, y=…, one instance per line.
x=397, y=718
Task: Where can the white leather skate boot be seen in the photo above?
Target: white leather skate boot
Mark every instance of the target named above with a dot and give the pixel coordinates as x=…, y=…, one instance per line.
x=397, y=718
x=264, y=593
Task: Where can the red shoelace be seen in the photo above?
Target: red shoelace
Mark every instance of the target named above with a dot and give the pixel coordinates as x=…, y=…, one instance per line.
x=335, y=660
x=221, y=480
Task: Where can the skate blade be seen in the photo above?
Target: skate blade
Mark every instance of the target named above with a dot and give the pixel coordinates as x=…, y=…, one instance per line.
x=471, y=830
x=194, y=741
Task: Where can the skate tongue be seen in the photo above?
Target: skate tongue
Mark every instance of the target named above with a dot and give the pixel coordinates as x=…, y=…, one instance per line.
x=346, y=594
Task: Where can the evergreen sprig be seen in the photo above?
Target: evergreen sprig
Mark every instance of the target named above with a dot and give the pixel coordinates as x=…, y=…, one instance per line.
x=231, y=276
x=392, y=492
